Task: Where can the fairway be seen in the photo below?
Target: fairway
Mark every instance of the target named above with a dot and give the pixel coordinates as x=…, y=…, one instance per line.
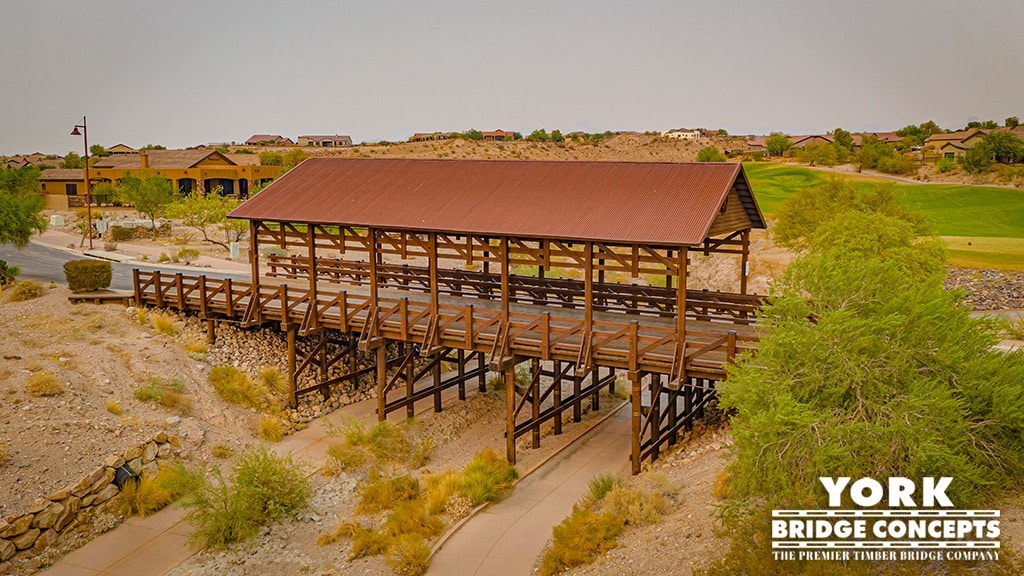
x=990, y=219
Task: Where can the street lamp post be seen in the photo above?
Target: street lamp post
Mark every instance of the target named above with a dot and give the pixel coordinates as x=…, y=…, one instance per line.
x=88, y=188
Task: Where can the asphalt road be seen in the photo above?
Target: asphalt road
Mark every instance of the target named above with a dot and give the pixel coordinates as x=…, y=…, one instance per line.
x=45, y=264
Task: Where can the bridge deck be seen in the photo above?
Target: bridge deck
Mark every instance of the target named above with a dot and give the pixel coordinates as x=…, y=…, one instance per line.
x=644, y=339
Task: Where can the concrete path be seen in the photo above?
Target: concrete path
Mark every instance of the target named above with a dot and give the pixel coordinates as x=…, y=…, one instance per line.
x=508, y=537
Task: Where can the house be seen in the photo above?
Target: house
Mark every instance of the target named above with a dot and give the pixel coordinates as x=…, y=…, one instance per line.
x=189, y=170
x=428, y=136
x=325, y=141
x=268, y=140
x=801, y=141
x=683, y=134
x=120, y=149
x=498, y=136
x=951, y=144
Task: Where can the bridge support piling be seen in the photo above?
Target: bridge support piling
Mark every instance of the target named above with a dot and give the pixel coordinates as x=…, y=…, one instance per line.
x=535, y=400
x=556, y=394
x=211, y=331
x=382, y=381
x=510, y=411
x=293, y=400
x=435, y=373
x=635, y=414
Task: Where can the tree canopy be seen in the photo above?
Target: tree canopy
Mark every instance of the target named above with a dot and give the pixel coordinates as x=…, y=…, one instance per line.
x=710, y=154
x=777, y=144
x=20, y=206
x=150, y=195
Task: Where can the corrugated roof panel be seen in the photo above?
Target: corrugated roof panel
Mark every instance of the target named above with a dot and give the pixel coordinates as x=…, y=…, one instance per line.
x=628, y=202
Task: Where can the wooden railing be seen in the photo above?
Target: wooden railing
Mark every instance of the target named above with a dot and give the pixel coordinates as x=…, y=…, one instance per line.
x=634, y=342
x=555, y=292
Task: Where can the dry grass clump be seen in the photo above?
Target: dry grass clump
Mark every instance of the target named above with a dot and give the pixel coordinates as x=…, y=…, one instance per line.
x=383, y=444
x=221, y=451
x=271, y=429
x=167, y=393
x=597, y=520
x=25, y=290
x=5, y=454
x=165, y=324
x=234, y=386
x=142, y=497
x=43, y=384
x=274, y=380
x=114, y=407
x=196, y=351
x=416, y=514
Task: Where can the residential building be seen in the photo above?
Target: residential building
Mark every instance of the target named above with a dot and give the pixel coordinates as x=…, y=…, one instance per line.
x=428, y=136
x=683, y=133
x=498, y=136
x=268, y=140
x=190, y=170
x=325, y=141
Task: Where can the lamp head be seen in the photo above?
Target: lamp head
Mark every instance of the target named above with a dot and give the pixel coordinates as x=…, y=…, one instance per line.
x=75, y=132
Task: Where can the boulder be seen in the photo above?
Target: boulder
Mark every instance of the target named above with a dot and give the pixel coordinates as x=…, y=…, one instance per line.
x=105, y=479
x=109, y=492
x=71, y=507
x=45, y=539
x=149, y=452
x=18, y=525
x=7, y=551
x=25, y=540
x=47, y=517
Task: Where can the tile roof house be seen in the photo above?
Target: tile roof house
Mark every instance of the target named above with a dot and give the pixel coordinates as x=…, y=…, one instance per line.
x=428, y=136
x=499, y=136
x=268, y=140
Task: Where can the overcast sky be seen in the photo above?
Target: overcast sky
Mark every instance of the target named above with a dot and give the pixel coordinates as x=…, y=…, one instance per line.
x=182, y=73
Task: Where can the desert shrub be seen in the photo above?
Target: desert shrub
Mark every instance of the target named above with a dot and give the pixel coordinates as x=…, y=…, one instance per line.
x=165, y=324
x=25, y=290
x=710, y=154
x=234, y=386
x=486, y=476
x=7, y=272
x=721, y=489
x=87, y=275
x=635, y=506
x=114, y=407
x=263, y=488
x=381, y=492
x=221, y=451
x=411, y=517
x=440, y=489
x=167, y=393
x=383, y=443
x=944, y=165
x=142, y=498
x=579, y=539
x=271, y=429
x=274, y=380
x=119, y=233
x=196, y=351
x=408, y=555
x=188, y=255
x=600, y=486
x=163, y=257
x=110, y=246
x=43, y=384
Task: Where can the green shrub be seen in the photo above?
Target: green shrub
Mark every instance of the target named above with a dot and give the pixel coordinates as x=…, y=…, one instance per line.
x=271, y=429
x=87, y=275
x=384, y=442
x=25, y=290
x=167, y=393
x=235, y=387
x=118, y=234
x=635, y=506
x=188, y=255
x=263, y=488
x=600, y=486
x=143, y=497
x=580, y=539
x=165, y=324
x=274, y=380
x=945, y=165
x=7, y=272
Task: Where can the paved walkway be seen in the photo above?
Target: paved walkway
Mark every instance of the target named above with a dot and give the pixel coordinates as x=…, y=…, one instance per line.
x=506, y=538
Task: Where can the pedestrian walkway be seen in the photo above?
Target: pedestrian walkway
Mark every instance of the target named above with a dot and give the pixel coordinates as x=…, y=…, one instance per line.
x=508, y=537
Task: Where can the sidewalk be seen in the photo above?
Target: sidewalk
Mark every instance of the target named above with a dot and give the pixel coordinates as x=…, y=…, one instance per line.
x=508, y=537
x=132, y=253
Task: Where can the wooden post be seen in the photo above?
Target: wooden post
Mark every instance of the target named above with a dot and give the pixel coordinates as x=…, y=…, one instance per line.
x=481, y=362
x=577, y=409
x=292, y=398
x=535, y=400
x=744, y=260
x=635, y=411
x=410, y=379
x=373, y=267
x=211, y=331
x=436, y=374
x=382, y=380
x=681, y=313
x=588, y=290
x=510, y=411
x=595, y=396
x=504, y=283
x=655, y=415
x=556, y=394
x=432, y=261
x=313, y=274
x=461, y=359
x=254, y=255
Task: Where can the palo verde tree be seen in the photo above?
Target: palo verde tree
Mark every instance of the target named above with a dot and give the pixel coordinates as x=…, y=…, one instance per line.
x=150, y=195
x=867, y=367
x=777, y=144
x=20, y=206
x=200, y=211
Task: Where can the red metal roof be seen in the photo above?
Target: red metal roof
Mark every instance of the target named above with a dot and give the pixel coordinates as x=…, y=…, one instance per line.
x=653, y=203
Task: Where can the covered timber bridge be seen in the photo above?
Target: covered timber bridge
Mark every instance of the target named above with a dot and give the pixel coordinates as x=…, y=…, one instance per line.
x=575, y=270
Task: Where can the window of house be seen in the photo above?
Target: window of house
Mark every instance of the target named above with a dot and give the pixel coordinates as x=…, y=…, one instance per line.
x=71, y=189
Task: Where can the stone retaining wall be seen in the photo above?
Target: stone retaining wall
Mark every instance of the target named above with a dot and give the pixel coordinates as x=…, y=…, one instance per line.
x=72, y=507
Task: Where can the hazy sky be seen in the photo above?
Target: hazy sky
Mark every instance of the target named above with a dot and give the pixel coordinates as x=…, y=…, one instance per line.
x=182, y=73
